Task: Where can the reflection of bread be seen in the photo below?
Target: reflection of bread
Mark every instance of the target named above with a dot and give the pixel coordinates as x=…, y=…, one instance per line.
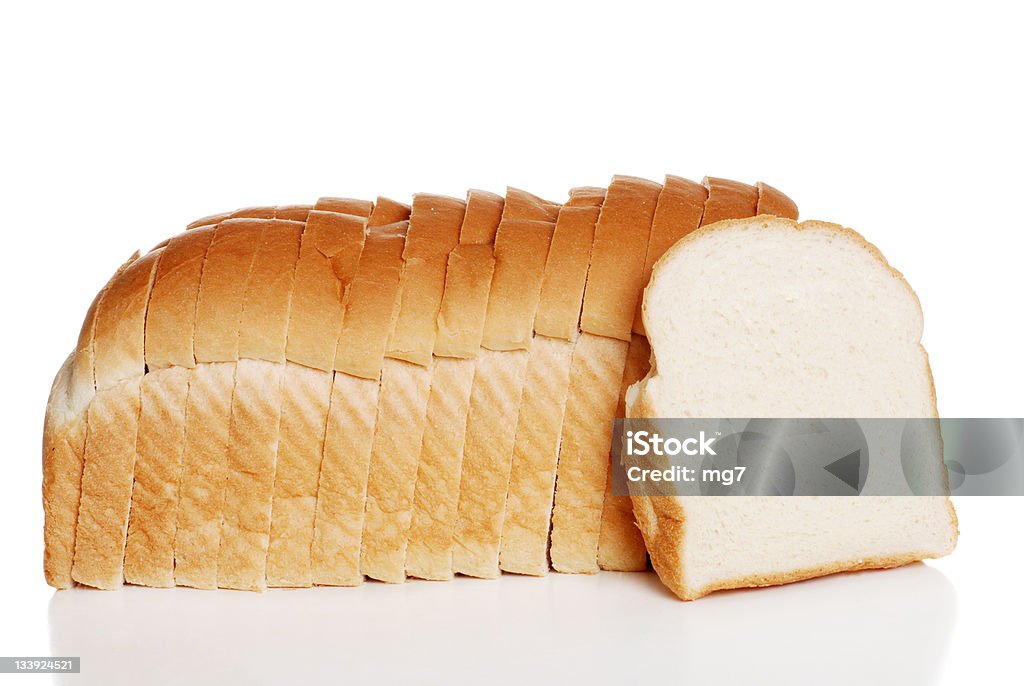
x=765, y=317
x=297, y=395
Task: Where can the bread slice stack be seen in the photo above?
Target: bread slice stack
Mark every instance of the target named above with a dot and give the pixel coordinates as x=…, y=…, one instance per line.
x=764, y=317
x=319, y=394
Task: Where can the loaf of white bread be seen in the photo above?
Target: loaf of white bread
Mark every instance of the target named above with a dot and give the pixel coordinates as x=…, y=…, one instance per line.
x=764, y=317
x=313, y=395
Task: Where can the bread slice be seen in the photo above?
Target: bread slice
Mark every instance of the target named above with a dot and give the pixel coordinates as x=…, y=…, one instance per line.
x=112, y=426
x=329, y=252
x=613, y=284
x=521, y=248
x=524, y=536
x=434, y=227
x=256, y=409
x=793, y=339
x=460, y=326
x=64, y=434
x=370, y=308
x=225, y=273
x=295, y=213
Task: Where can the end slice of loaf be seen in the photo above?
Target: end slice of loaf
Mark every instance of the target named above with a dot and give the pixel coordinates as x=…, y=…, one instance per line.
x=765, y=317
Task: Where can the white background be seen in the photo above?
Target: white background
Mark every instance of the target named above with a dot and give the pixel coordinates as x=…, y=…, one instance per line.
x=120, y=123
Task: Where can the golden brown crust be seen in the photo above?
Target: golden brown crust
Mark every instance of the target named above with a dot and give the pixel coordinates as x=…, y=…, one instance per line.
x=520, y=253
x=222, y=289
x=679, y=211
x=615, y=279
x=728, y=199
x=434, y=227
x=586, y=196
x=387, y=211
x=775, y=202
x=328, y=255
x=522, y=205
x=262, y=212
x=295, y=213
x=565, y=277
x=209, y=220
x=460, y=319
x=263, y=327
x=352, y=206
x=483, y=213
x=171, y=317
x=371, y=305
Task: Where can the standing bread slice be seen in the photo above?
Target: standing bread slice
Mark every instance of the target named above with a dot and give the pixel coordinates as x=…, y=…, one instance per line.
x=460, y=325
x=328, y=257
x=64, y=437
x=599, y=358
x=524, y=536
x=208, y=408
x=405, y=386
x=520, y=249
x=170, y=326
x=119, y=364
x=369, y=312
x=256, y=409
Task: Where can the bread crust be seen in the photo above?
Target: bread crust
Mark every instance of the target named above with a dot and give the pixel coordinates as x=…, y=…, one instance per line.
x=387, y=211
x=565, y=276
x=171, y=317
x=522, y=205
x=434, y=228
x=663, y=519
x=483, y=213
x=586, y=196
x=372, y=305
x=520, y=254
x=614, y=281
x=775, y=202
x=351, y=206
x=295, y=213
x=329, y=253
x=728, y=199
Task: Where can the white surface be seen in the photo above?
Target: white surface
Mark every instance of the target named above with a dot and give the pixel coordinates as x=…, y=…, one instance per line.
x=120, y=123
